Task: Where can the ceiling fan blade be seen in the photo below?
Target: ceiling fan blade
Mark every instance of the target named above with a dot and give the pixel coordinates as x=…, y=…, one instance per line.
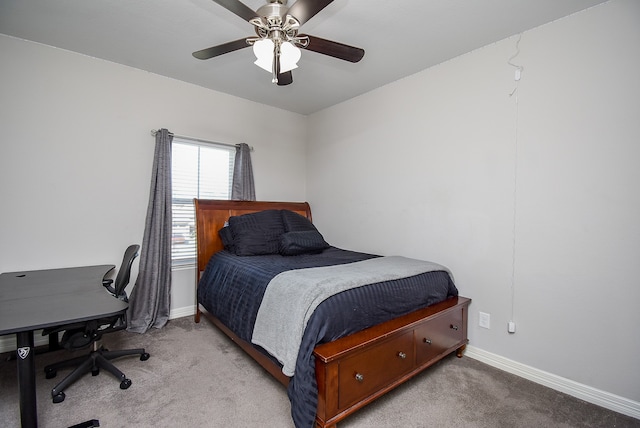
x=334, y=49
x=285, y=78
x=238, y=8
x=221, y=49
x=304, y=10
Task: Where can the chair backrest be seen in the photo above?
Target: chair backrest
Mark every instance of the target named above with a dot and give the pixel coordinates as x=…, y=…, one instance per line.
x=124, y=274
x=83, y=334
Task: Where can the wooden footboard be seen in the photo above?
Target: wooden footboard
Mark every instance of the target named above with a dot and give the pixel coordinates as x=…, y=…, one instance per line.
x=355, y=370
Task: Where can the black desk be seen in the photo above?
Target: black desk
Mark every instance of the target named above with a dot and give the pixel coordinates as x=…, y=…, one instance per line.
x=34, y=300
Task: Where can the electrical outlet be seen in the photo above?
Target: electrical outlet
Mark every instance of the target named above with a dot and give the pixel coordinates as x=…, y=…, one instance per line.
x=484, y=320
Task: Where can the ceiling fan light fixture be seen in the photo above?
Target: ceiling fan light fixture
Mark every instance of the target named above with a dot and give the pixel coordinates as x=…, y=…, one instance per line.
x=277, y=45
x=289, y=57
x=263, y=50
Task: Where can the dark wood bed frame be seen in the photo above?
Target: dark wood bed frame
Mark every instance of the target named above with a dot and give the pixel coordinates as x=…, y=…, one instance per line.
x=354, y=370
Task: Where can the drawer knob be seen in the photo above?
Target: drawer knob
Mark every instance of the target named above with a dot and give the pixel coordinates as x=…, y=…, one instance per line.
x=455, y=327
x=359, y=377
x=402, y=355
x=427, y=341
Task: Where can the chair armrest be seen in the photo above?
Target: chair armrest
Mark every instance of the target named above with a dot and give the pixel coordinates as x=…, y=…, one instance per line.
x=106, y=283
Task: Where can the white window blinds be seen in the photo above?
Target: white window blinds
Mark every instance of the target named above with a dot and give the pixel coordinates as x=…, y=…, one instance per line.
x=198, y=170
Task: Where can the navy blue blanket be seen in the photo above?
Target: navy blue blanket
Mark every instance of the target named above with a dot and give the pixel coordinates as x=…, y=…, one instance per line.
x=232, y=288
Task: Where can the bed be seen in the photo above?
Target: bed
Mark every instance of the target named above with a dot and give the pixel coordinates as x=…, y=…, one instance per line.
x=349, y=348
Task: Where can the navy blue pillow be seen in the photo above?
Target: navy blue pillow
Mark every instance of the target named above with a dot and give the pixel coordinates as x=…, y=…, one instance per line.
x=302, y=242
x=227, y=238
x=256, y=233
x=294, y=222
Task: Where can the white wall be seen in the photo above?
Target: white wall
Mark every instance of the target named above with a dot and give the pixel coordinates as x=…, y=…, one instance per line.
x=426, y=167
x=76, y=154
x=540, y=187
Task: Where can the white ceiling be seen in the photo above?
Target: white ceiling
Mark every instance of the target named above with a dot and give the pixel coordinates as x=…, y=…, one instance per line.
x=399, y=37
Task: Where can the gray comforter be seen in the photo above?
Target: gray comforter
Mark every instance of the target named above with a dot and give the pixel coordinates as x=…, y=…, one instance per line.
x=292, y=296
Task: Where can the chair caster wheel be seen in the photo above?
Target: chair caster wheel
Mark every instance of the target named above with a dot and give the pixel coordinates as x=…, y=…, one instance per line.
x=125, y=384
x=58, y=398
x=95, y=372
x=145, y=356
x=50, y=374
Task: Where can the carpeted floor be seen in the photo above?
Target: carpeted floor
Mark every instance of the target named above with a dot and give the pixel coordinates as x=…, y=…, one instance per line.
x=196, y=377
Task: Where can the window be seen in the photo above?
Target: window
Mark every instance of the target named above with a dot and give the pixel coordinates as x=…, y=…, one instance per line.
x=198, y=170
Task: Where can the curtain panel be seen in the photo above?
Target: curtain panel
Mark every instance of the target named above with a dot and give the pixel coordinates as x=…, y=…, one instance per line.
x=243, y=188
x=150, y=300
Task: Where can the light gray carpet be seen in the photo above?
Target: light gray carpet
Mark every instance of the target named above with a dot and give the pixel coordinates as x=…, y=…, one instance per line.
x=196, y=377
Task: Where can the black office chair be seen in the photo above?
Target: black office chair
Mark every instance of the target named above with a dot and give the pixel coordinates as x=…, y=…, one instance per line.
x=81, y=335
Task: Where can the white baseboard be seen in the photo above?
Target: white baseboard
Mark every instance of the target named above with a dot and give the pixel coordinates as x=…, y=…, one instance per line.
x=567, y=386
x=182, y=312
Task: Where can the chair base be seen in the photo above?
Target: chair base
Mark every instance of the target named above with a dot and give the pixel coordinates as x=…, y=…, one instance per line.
x=98, y=358
x=88, y=424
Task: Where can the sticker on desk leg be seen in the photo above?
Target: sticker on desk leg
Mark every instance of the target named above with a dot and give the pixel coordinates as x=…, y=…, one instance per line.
x=23, y=352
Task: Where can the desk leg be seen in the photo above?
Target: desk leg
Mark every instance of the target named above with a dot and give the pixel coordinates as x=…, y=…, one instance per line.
x=54, y=344
x=27, y=379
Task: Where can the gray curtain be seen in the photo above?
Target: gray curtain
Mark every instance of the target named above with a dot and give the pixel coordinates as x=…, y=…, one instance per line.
x=149, y=303
x=243, y=188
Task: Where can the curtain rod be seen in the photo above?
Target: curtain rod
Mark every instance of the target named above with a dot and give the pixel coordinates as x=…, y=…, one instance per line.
x=155, y=131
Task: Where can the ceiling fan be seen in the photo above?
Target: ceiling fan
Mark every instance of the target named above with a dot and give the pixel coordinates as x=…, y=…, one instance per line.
x=277, y=43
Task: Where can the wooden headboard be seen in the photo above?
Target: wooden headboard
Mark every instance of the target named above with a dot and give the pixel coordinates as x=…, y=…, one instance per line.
x=212, y=214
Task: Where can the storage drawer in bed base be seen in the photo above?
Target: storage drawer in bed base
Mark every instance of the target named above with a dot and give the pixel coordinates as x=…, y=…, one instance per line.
x=444, y=325
x=355, y=370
